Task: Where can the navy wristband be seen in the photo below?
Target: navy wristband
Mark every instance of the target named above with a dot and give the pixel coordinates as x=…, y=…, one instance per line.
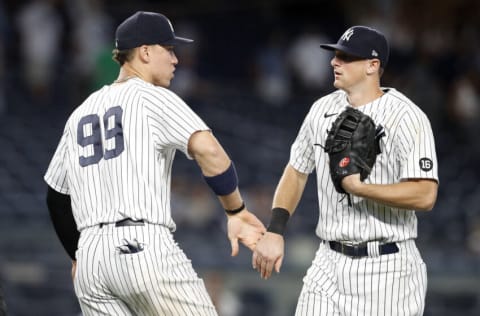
x=278, y=221
x=224, y=183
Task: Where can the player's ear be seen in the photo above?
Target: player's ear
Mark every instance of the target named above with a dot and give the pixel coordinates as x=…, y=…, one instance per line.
x=373, y=66
x=144, y=53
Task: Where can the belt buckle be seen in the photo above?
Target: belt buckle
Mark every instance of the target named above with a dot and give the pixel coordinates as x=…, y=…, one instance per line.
x=356, y=250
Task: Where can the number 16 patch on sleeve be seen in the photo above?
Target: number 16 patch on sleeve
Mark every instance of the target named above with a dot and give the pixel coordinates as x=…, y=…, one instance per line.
x=426, y=164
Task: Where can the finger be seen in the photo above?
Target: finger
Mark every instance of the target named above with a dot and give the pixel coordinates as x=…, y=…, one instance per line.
x=259, y=265
x=234, y=244
x=261, y=268
x=254, y=260
x=269, y=268
x=264, y=268
x=278, y=264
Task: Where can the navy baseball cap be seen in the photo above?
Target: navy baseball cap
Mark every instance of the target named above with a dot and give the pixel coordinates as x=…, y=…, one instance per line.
x=364, y=42
x=147, y=28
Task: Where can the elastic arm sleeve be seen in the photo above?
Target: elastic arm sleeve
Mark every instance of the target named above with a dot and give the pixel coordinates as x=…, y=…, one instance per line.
x=60, y=208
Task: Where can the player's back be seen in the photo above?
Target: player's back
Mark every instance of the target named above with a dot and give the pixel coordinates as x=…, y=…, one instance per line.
x=117, y=167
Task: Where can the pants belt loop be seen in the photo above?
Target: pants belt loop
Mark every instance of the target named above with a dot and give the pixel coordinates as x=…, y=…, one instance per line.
x=373, y=249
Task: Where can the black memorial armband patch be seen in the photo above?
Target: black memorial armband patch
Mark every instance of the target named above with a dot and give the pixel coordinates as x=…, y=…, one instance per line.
x=426, y=164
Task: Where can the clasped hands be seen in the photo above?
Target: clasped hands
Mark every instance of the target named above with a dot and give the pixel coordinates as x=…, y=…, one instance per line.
x=267, y=247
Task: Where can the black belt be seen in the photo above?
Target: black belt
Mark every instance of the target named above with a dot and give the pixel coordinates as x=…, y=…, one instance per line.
x=126, y=222
x=359, y=251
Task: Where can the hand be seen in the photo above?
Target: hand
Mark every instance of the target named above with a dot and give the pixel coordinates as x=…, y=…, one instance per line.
x=74, y=269
x=268, y=254
x=246, y=228
x=352, y=183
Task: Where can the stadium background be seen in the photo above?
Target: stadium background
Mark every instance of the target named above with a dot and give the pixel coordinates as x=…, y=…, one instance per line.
x=252, y=74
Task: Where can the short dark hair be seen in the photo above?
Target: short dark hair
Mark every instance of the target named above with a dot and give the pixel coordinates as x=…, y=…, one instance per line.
x=122, y=56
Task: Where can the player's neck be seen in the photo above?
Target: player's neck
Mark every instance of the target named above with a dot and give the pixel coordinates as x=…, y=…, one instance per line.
x=128, y=72
x=359, y=97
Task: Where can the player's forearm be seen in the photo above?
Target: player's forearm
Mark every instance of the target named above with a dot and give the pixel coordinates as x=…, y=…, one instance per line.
x=217, y=168
x=413, y=194
x=289, y=189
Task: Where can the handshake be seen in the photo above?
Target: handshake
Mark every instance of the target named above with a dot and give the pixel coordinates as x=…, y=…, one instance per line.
x=267, y=245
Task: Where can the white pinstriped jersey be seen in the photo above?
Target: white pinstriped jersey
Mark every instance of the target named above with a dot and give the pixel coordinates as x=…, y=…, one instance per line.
x=116, y=153
x=408, y=151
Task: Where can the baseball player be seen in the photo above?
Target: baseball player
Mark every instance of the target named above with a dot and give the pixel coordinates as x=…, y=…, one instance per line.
x=367, y=262
x=109, y=183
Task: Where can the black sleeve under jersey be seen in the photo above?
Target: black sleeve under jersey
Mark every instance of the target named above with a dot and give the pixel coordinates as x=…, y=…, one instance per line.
x=60, y=208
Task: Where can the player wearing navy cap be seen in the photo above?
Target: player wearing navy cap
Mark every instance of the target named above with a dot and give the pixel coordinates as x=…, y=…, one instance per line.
x=109, y=183
x=367, y=262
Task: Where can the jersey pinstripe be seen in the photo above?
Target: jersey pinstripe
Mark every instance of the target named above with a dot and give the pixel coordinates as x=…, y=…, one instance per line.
x=114, y=160
x=127, y=135
x=159, y=280
x=390, y=284
x=408, y=151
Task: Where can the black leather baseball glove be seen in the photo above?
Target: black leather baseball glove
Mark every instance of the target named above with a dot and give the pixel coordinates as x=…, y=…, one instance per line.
x=352, y=145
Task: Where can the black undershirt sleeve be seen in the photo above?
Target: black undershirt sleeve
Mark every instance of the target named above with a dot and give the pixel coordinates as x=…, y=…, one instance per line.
x=60, y=208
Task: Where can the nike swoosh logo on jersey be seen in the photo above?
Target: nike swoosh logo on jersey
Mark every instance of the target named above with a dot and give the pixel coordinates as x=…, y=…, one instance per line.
x=329, y=114
x=323, y=147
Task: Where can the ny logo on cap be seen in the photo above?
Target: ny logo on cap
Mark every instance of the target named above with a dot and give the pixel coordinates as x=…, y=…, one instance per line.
x=346, y=36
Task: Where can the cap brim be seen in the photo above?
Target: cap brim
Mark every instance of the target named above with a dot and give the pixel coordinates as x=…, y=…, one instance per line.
x=340, y=48
x=178, y=41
